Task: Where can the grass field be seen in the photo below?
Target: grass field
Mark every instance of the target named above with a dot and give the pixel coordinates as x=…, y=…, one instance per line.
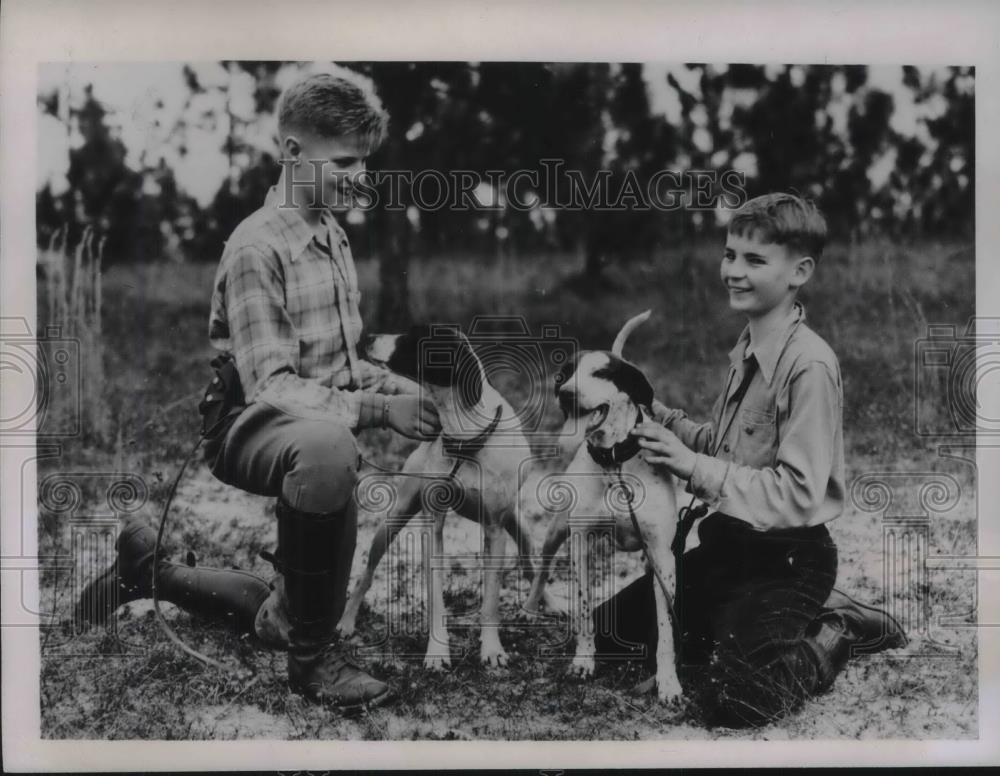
x=871, y=302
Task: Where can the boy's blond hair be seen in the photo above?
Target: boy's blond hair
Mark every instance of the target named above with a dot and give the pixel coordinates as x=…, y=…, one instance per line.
x=783, y=219
x=334, y=104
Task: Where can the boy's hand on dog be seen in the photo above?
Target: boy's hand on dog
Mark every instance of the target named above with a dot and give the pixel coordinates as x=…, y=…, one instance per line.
x=413, y=416
x=665, y=449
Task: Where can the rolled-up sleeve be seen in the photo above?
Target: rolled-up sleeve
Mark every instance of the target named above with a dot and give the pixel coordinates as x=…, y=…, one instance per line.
x=266, y=346
x=792, y=492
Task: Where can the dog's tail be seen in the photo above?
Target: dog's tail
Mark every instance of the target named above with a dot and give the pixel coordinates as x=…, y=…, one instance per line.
x=630, y=325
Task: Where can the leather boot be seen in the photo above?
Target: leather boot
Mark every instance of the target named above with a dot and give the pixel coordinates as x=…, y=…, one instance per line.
x=129, y=578
x=272, y=624
x=877, y=629
x=845, y=628
x=228, y=594
x=314, y=559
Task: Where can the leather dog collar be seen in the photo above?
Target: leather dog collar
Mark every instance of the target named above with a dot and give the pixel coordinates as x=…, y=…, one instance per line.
x=467, y=448
x=618, y=453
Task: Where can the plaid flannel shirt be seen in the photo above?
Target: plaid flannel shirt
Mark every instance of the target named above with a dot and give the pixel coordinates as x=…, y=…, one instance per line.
x=285, y=303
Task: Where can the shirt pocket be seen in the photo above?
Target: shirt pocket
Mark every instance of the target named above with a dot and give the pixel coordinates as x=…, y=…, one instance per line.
x=758, y=442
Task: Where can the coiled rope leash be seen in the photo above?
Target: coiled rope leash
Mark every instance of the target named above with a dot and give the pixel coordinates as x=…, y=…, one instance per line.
x=460, y=450
x=160, y=619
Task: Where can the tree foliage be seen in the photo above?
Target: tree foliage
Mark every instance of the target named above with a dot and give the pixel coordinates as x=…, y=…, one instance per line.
x=825, y=131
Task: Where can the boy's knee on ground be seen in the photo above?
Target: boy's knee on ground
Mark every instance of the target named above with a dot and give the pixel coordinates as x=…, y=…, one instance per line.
x=746, y=686
x=324, y=469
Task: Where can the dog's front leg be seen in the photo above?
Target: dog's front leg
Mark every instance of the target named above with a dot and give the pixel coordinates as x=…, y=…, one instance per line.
x=668, y=688
x=438, y=652
x=520, y=534
x=581, y=601
x=491, y=651
x=540, y=592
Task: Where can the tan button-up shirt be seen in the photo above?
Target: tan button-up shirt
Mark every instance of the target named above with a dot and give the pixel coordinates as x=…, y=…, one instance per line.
x=777, y=459
x=286, y=304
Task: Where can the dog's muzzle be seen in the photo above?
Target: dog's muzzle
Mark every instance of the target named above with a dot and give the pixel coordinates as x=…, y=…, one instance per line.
x=618, y=453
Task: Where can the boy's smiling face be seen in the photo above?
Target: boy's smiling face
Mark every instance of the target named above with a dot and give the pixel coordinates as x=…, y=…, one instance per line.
x=761, y=276
x=337, y=161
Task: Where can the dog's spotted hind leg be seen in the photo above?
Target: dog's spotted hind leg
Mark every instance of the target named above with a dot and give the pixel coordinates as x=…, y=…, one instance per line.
x=491, y=651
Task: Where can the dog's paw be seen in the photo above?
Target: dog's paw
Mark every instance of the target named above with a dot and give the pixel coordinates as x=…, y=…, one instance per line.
x=582, y=666
x=348, y=622
x=437, y=662
x=668, y=690
x=494, y=657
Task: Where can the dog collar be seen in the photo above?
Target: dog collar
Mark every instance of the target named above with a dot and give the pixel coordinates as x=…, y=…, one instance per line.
x=618, y=453
x=467, y=448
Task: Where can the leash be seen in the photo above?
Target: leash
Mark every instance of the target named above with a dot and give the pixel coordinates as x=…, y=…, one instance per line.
x=629, y=498
x=623, y=451
x=615, y=456
x=460, y=449
x=160, y=619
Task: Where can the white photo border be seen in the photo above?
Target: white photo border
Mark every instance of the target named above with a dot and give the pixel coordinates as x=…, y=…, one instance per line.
x=962, y=32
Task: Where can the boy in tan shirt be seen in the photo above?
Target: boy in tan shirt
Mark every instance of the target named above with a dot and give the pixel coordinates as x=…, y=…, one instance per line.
x=760, y=623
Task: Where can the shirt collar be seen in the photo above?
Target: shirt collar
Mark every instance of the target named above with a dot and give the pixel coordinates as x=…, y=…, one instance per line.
x=298, y=233
x=769, y=351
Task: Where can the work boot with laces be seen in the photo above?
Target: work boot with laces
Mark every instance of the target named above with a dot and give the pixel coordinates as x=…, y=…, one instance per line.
x=315, y=549
x=331, y=677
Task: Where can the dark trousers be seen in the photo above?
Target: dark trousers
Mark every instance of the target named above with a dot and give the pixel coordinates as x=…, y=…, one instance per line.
x=744, y=604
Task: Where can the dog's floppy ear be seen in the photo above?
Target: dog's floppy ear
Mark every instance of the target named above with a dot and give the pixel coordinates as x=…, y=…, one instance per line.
x=636, y=385
x=404, y=359
x=628, y=379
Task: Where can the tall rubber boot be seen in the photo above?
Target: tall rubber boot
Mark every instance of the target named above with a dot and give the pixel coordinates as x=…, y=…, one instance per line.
x=316, y=550
x=223, y=594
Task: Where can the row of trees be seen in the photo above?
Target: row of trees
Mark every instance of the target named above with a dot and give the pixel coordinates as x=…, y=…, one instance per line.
x=822, y=130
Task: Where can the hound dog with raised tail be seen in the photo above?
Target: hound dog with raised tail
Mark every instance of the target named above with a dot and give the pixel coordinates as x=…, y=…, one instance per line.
x=471, y=468
x=614, y=490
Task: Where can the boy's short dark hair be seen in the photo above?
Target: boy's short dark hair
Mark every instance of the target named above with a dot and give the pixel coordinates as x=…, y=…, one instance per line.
x=783, y=219
x=334, y=105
